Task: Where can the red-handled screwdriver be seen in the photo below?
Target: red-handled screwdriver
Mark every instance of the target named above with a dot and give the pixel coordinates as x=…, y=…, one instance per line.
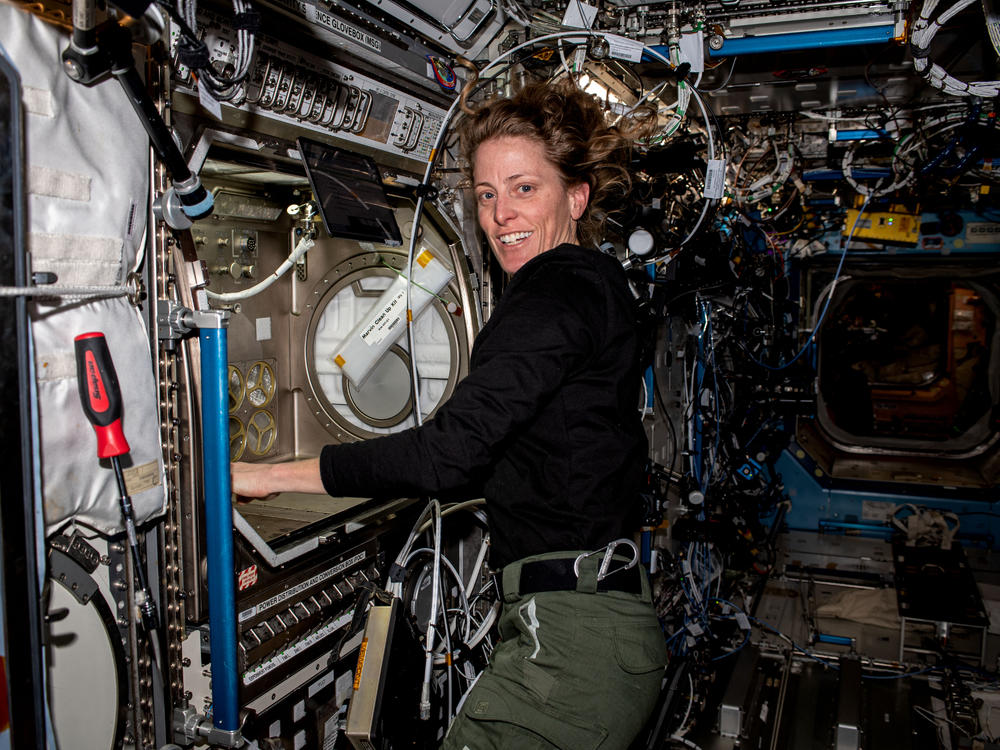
x=102, y=403
x=100, y=395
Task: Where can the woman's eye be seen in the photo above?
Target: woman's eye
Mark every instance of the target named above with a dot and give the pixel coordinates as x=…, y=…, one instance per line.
x=524, y=188
x=486, y=196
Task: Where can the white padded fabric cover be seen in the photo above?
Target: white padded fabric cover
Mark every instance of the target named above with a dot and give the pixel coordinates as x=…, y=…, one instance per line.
x=87, y=170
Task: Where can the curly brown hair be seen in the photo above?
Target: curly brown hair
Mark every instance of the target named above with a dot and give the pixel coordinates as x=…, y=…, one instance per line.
x=571, y=127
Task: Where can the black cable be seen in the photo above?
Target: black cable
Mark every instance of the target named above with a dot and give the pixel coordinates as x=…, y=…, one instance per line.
x=725, y=83
x=658, y=396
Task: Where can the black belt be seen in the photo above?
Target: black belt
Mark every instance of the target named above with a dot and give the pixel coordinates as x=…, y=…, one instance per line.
x=538, y=576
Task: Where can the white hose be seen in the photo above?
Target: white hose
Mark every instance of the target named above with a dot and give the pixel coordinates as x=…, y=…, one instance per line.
x=425, y=689
x=301, y=249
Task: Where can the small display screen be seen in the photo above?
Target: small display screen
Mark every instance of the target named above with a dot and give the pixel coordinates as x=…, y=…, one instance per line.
x=348, y=188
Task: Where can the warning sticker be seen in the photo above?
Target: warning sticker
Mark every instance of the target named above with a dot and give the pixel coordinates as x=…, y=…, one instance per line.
x=144, y=477
x=246, y=578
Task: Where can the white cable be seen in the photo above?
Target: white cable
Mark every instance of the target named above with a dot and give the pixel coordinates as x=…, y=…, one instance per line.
x=448, y=510
x=683, y=741
x=834, y=118
x=484, y=627
x=425, y=689
x=395, y=588
x=477, y=566
x=846, y=166
x=687, y=711
x=222, y=89
x=301, y=249
x=458, y=579
x=767, y=185
x=562, y=59
x=411, y=339
x=924, y=30
x=515, y=11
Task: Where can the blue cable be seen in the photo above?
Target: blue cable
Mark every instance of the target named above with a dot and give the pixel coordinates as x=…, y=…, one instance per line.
x=746, y=640
x=727, y=603
x=829, y=299
x=898, y=676
x=796, y=646
x=718, y=429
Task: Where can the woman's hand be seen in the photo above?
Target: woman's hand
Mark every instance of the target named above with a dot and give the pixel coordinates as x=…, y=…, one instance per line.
x=253, y=480
x=263, y=480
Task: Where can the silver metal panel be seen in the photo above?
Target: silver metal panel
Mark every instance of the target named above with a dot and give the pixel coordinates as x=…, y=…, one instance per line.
x=849, y=706
x=290, y=89
x=732, y=711
x=369, y=681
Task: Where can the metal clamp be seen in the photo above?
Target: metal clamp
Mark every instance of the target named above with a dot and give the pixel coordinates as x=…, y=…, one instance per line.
x=604, y=570
x=190, y=726
x=174, y=321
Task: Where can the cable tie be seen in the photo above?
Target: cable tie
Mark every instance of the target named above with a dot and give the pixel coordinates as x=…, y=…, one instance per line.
x=247, y=21
x=426, y=191
x=193, y=54
x=397, y=573
x=681, y=71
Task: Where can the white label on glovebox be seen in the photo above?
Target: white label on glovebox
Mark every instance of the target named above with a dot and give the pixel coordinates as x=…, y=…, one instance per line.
x=263, y=326
x=715, y=178
x=624, y=48
x=209, y=102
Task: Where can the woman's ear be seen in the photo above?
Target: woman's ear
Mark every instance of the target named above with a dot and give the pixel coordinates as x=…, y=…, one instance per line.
x=579, y=195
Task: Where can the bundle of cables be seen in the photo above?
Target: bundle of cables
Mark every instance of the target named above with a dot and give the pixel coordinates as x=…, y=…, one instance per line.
x=924, y=30
x=460, y=615
x=224, y=84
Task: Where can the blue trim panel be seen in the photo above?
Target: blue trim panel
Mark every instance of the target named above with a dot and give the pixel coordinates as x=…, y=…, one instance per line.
x=860, y=135
x=826, y=175
x=821, y=505
x=752, y=45
x=219, y=527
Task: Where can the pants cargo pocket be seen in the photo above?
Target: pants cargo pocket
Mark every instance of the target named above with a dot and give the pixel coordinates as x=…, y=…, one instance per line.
x=501, y=721
x=640, y=650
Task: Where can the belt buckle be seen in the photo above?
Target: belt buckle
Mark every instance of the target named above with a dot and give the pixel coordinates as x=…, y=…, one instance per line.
x=604, y=570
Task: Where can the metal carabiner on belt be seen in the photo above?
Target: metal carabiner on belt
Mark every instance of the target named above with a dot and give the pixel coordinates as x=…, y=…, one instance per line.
x=604, y=570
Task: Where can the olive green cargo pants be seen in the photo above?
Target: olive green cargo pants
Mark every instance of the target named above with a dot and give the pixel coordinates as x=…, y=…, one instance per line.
x=573, y=670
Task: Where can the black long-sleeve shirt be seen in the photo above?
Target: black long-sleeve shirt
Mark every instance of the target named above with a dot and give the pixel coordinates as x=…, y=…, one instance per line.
x=546, y=422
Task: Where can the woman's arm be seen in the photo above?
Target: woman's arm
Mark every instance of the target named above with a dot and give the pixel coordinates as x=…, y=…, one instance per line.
x=261, y=480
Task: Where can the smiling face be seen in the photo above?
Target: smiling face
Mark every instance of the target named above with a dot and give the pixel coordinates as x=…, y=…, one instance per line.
x=524, y=206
